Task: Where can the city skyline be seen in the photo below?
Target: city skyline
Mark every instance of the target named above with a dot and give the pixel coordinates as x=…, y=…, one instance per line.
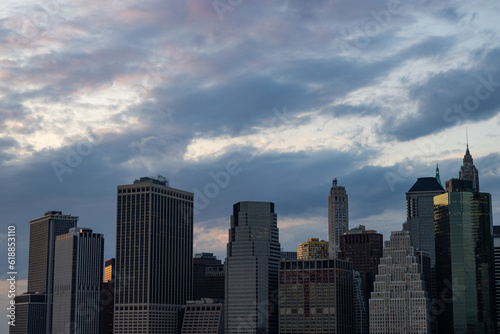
x=268, y=101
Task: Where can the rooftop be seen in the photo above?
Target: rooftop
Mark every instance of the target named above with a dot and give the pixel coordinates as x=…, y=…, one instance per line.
x=426, y=184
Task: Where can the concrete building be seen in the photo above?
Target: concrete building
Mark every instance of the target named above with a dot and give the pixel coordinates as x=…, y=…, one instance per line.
x=420, y=214
x=43, y=233
x=253, y=253
x=77, y=282
x=205, y=316
x=316, y=296
x=399, y=302
x=201, y=262
x=364, y=248
x=464, y=262
x=312, y=249
x=338, y=217
x=468, y=171
x=154, y=256
x=496, y=249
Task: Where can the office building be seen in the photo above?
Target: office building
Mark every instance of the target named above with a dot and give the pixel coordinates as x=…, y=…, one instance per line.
x=458, y=185
x=288, y=255
x=316, y=296
x=312, y=249
x=31, y=314
x=468, y=171
x=154, y=256
x=420, y=214
x=253, y=253
x=338, y=217
x=205, y=316
x=107, y=297
x=399, y=301
x=201, y=262
x=496, y=250
x=215, y=281
x=77, y=282
x=360, y=305
x=464, y=262
x=43, y=233
x=364, y=249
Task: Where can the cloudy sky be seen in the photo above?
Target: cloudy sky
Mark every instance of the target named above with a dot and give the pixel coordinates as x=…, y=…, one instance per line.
x=284, y=95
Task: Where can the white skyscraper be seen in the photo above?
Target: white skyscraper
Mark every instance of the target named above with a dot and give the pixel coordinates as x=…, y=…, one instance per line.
x=338, y=217
x=399, y=302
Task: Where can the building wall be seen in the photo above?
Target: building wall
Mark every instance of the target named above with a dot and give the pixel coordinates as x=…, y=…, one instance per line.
x=312, y=249
x=154, y=251
x=464, y=262
x=338, y=217
x=253, y=253
x=399, y=302
x=316, y=296
x=203, y=317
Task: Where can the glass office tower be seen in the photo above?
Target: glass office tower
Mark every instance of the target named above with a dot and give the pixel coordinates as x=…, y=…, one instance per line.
x=464, y=262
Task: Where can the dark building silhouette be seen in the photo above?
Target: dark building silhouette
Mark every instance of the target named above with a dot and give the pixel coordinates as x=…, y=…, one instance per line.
x=288, y=255
x=364, y=248
x=496, y=248
x=107, y=297
x=253, y=253
x=464, y=262
x=154, y=256
x=77, y=282
x=43, y=233
x=458, y=185
x=207, y=271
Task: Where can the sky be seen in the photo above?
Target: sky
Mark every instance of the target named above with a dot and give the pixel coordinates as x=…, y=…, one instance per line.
x=235, y=100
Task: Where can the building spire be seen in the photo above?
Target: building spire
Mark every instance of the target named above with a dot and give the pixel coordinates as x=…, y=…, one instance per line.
x=438, y=178
x=467, y=140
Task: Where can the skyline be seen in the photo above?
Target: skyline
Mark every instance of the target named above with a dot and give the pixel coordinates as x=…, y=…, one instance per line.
x=282, y=96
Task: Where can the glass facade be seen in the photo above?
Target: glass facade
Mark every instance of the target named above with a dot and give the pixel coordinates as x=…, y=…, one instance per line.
x=464, y=262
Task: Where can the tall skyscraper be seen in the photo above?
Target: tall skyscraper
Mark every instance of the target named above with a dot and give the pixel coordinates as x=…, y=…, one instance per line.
x=312, y=249
x=399, y=302
x=316, y=296
x=468, y=171
x=43, y=233
x=338, y=217
x=77, y=282
x=154, y=256
x=420, y=213
x=464, y=262
x=108, y=297
x=364, y=248
x=253, y=253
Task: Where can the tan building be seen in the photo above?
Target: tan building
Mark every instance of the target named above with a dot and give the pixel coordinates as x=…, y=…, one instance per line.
x=338, y=217
x=312, y=249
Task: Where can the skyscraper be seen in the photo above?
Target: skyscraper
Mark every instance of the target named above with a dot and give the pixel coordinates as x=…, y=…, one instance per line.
x=464, y=262
x=399, y=301
x=338, y=217
x=364, y=248
x=201, y=262
x=316, y=296
x=420, y=213
x=468, y=171
x=312, y=249
x=77, y=282
x=154, y=256
x=253, y=253
x=43, y=233
x=496, y=249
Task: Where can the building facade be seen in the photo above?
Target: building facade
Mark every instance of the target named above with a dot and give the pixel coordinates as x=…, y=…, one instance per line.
x=399, y=302
x=154, y=256
x=205, y=316
x=338, y=217
x=468, y=171
x=201, y=262
x=364, y=249
x=253, y=253
x=496, y=250
x=43, y=233
x=464, y=262
x=420, y=214
x=316, y=296
x=31, y=314
x=312, y=249
x=77, y=282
